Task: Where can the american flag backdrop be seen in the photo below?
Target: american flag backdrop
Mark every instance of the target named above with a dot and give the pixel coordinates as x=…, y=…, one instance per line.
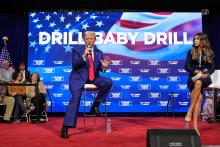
x=143, y=74
x=5, y=55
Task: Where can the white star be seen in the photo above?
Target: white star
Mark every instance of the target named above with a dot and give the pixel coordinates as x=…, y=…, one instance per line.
x=47, y=48
x=62, y=18
x=36, y=49
x=29, y=34
x=67, y=26
x=39, y=26
x=99, y=23
x=93, y=16
x=86, y=13
x=32, y=44
x=35, y=20
x=77, y=18
x=55, y=13
x=68, y=48
x=52, y=25
x=70, y=13
x=57, y=30
x=48, y=17
x=32, y=14
x=85, y=26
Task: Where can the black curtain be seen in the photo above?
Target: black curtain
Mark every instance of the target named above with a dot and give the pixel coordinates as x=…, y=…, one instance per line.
x=15, y=27
x=211, y=26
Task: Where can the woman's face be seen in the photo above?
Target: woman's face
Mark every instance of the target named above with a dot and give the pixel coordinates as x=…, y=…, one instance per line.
x=19, y=78
x=196, y=41
x=34, y=77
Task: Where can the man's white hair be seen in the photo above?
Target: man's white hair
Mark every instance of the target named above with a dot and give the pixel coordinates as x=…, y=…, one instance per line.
x=5, y=61
x=5, y=38
x=89, y=33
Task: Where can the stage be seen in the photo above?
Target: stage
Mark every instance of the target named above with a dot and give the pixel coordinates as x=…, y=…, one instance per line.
x=126, y=131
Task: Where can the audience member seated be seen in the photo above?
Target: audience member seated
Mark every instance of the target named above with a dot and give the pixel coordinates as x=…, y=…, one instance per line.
x=6, y=71
x=25, y=74
x=18, y=92
x=8, y=102
x=32, y=98
x=5, y=76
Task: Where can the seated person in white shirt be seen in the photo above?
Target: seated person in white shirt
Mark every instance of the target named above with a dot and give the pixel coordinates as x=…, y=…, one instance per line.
x=6, y=71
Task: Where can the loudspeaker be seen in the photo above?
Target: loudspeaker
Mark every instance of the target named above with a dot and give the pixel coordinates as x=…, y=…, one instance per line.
x=172, y=138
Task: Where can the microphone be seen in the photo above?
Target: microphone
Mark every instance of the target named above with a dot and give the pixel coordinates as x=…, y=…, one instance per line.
x=90, y=49
x=196, y=77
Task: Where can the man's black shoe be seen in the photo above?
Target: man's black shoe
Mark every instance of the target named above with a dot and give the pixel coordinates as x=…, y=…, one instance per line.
x=7, y=121
x=64, y=133
x=95, y=111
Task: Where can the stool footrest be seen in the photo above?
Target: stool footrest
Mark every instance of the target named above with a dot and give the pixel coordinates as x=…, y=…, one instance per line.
x=89, y=115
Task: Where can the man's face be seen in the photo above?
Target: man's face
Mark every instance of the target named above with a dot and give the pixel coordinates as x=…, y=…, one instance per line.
x=22, y=67
x=5, y=64
x=90, y=40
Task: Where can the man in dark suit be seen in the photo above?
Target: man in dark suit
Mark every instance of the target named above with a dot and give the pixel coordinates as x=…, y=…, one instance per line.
x=87, y=61
x=25, y=74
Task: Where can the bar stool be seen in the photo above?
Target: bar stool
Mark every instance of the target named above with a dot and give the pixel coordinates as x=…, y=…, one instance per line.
x=94, y=88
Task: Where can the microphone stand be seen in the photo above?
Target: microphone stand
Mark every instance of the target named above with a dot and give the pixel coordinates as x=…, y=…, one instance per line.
x=172, y=99
x=37, y=101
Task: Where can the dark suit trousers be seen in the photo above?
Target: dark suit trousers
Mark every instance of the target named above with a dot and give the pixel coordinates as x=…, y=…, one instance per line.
x=104, y=84
x=19, y=105
x=70, y=118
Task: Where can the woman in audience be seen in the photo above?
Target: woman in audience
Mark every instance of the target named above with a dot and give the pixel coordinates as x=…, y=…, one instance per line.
x=18, y=92
x=33, y=99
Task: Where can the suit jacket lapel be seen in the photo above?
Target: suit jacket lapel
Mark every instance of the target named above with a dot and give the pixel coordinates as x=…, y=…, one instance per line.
x=87, y=60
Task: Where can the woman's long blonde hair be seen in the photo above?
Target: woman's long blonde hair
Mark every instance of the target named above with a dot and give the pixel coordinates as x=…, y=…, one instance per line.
x=206, y=48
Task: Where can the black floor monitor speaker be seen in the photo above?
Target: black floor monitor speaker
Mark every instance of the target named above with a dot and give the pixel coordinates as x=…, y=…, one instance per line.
x=172, y=138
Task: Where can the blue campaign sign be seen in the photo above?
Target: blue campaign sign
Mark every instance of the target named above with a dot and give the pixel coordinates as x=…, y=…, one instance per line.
x=147, y=52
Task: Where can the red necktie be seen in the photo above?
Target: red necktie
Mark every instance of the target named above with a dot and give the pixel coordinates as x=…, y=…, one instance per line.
x=91, y=68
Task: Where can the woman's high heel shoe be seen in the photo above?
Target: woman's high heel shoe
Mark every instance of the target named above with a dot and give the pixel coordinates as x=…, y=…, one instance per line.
x=187, y=120
x=188, y=117
x=187, y=124
x=197, y=131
